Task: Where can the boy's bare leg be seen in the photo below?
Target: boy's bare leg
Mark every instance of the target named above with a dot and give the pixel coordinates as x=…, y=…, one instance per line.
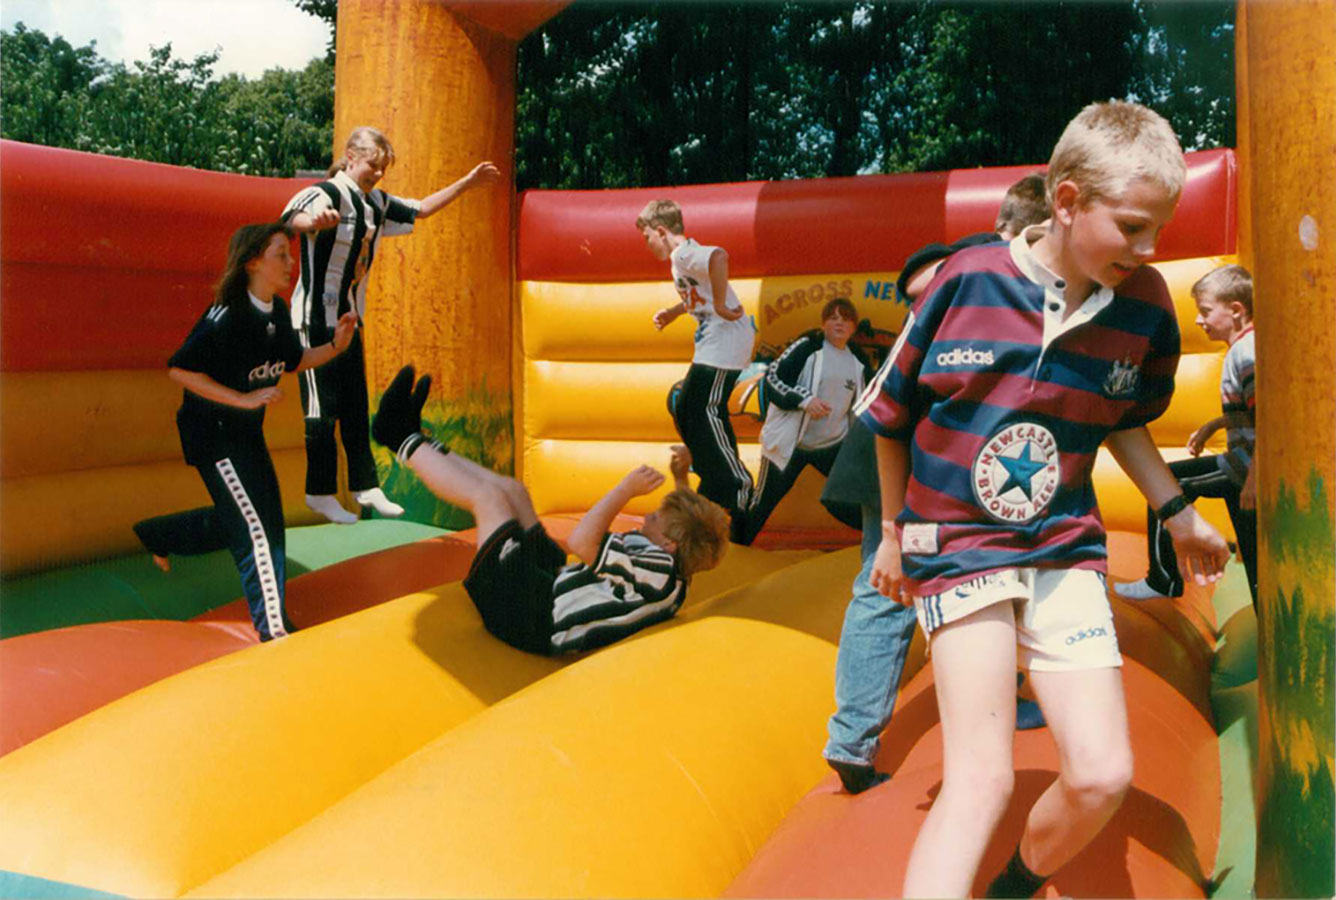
x=493, y=499
x=974, y=666
x=1087, y=713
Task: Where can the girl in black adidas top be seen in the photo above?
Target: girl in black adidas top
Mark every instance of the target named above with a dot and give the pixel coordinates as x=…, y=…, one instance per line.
x=229, y=366
x=341, y=221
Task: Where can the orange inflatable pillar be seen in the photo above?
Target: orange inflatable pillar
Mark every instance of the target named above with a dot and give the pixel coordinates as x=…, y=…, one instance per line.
x=439, y=80
x=1291, y=82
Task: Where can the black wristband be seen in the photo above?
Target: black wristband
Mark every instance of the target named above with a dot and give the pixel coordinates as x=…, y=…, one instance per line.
x=1172, y=507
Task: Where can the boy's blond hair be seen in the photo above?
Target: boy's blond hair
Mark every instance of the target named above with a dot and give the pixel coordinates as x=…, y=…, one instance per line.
x=1025, y=204
x=661, y=212
x=1227, y=284
x=365, y=142
x=698, y=526
x=1108, y=145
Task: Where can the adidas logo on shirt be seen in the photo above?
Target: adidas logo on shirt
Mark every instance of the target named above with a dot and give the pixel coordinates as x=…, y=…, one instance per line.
x=265, y=371
x=965, y=356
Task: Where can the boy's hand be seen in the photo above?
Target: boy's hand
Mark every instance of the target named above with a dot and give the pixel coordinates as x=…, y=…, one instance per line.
x=665, y=316
x=642, y=480
x=818, y=408
x=1202, y=552
x=400, y=414
x=887, y=575
x=680, y=463
x=1197, y=441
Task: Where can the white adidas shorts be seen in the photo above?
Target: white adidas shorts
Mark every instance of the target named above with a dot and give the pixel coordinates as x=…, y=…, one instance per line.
x=1063, y=618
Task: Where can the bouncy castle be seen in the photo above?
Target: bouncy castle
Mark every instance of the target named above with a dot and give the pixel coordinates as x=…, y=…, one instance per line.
x=150, y=747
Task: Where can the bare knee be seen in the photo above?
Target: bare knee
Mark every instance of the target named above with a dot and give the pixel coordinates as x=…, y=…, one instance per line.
x=986, y=789
x=1100, y=782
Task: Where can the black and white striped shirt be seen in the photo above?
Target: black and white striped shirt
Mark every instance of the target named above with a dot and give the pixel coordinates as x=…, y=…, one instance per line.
x=329, y=270
x=633, y=584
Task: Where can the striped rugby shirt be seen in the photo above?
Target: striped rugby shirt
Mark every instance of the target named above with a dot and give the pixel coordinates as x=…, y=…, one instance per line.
x=329, y=277
x=1238, y=402
x=631, y=585
x=1004, y=406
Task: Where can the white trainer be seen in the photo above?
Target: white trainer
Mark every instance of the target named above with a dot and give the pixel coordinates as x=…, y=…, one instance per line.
x=376, y=499
x=1137, y=590
x=328, y=506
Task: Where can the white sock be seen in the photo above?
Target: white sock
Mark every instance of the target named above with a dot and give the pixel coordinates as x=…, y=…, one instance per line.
x=376, y=499
x=328, y=506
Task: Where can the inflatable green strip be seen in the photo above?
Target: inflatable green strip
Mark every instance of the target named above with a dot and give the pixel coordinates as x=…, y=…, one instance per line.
x=131, y=587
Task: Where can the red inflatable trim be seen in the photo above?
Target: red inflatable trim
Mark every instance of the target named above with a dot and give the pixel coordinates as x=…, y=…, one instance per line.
x=125, y=250
x=869, y=223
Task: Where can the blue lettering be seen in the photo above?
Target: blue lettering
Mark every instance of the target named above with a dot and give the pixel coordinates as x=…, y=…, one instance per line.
x=872, y=289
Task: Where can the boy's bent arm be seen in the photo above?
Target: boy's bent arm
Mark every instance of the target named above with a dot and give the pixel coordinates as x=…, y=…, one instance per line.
x=719, y=286
x=587, y=536
x=1202, y=552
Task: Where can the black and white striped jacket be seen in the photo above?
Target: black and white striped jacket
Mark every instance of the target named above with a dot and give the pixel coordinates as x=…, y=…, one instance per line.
x=632, y=584
x=329, y=271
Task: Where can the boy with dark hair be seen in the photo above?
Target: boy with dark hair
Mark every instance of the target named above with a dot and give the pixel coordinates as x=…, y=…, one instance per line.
x=724, y=338
x=1224, y=312
x=520, y=582
x=812, y=388
x=1024, y=204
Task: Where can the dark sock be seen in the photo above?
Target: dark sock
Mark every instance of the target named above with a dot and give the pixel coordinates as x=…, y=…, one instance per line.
x=1016, y=880
x=1028, y=715
x=857, y=777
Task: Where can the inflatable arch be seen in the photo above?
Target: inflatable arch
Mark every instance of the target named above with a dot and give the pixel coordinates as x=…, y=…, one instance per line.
x=399, y=751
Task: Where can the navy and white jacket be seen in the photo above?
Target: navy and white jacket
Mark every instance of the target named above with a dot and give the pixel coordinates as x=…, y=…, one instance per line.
x=790, y=381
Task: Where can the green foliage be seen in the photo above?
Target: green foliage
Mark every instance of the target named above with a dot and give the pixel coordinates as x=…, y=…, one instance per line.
x=628, y=94
x=165, y=109
x=631, y=94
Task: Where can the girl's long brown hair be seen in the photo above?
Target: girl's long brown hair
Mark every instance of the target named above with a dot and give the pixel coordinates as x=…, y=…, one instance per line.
x=248, y=242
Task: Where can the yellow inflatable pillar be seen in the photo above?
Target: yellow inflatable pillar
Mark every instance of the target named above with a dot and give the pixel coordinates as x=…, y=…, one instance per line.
x=1291, y=82
x=442, y=88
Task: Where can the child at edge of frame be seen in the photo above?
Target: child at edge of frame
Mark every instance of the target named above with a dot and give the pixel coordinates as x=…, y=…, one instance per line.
x=1224, y=299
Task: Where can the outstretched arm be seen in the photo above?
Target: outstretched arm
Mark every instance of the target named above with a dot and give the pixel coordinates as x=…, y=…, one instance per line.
x=483, y=173
x=1201, y=551
x=587, y=537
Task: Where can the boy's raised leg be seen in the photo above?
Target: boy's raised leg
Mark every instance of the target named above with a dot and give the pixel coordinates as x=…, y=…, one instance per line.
x=493, y=499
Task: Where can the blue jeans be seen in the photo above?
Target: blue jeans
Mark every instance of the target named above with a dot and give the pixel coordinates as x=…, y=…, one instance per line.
x=873, y=645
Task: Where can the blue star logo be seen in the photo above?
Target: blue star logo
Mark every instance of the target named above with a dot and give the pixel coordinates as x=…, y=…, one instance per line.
x=1020, y=470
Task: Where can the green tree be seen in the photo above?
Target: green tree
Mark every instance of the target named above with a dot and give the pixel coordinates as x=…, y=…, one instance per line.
x=613, y=95
x=165, y=109
x=44, y=86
